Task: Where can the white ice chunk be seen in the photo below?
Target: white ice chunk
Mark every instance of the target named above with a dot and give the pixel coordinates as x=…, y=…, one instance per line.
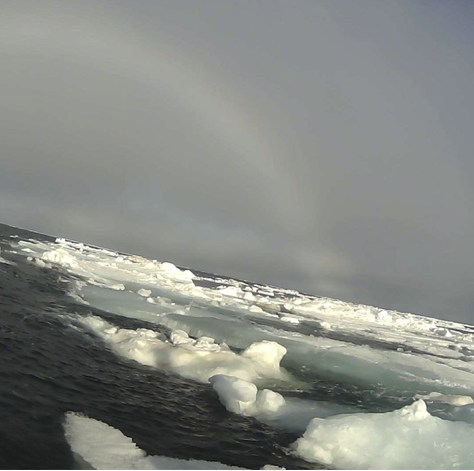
x=248, y=296
x=254, y=308
x=59, y=257
x=6, y=262
x=292, y=414
x=174, y=273
x=144, y=292
x=456, y=400
x=266, y=353
x=102, y=446
x=180, y=337
x=231, y=291
x=187, y=274
x=383, y=316
x=243, y=398
x=269, y=402
x=117, y=287
x=443, y=332
x=169, y=268
x=323, y=325
x=197, y=359
x=409, y=438
x=236, y=395
x=105, y=447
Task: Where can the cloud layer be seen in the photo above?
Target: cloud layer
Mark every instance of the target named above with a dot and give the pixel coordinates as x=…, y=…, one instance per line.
x=300, y=143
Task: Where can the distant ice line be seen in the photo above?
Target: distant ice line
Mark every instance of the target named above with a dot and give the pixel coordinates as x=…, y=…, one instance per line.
x=324, y=313
x=297, y=303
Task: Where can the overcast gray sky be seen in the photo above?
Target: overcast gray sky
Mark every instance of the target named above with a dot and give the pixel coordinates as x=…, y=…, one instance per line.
x=322, y=145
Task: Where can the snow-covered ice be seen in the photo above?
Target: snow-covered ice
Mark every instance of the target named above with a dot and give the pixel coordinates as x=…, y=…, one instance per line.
x=409, y=438
x=243, y=398
x=105, y=447
x=197, y=359
x=292, y=414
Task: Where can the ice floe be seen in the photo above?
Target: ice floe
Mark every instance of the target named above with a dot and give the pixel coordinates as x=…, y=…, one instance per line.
x=4, y=260
x=196, y=359
x=293, y=414
x=105, y=447
x=243, y=398
x=408, y=438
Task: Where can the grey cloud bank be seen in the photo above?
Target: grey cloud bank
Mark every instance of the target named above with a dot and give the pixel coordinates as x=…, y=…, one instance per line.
x=322, y=145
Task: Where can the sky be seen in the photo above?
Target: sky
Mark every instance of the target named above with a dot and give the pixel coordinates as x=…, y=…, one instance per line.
x=321, y=145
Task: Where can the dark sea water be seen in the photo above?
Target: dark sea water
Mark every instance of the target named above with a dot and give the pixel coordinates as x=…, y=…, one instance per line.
x=48, y=368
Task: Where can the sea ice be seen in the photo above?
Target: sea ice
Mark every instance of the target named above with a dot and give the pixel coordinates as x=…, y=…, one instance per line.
x=243, y=397
x=422, y=355
x=175, y=274
x=409, y=438
x=5, y=261
x=59, y=257
x=292, y=414
x=105, y=447
x=443, y=332
x=197, y=359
